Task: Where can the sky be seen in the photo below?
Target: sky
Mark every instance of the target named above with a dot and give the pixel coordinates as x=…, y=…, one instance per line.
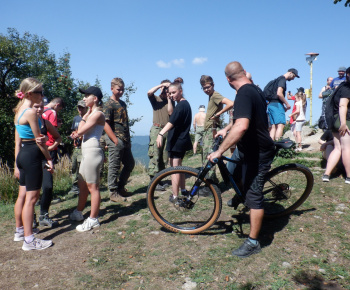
x=144, y=42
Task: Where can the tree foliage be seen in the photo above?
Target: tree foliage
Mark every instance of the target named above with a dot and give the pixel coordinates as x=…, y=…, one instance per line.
x=347, y=2
x=29, y=56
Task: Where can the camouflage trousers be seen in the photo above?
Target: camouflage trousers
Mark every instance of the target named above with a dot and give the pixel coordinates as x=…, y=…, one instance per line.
x=158, y=157
x=76, y=159
x=208, y=141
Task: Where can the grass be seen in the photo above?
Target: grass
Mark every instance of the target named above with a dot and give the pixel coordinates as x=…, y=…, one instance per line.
x=132, y=251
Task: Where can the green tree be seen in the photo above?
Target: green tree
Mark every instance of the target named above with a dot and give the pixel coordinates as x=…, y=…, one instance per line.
x=347, y=2
x=29, y=56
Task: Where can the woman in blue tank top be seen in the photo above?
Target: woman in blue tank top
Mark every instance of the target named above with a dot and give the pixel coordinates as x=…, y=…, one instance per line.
x=29, y=154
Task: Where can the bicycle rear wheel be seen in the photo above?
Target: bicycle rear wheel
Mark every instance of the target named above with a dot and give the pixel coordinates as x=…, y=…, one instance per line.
x=286, y=188
x=183, y=216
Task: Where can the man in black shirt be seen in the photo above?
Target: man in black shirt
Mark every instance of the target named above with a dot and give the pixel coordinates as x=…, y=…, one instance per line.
x=255, y=146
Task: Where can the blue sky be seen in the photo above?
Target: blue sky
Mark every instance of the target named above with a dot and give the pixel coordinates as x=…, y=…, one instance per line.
x=147, y=41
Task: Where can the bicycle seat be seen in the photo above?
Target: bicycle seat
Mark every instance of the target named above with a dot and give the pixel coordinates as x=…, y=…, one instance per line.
x=284, y=144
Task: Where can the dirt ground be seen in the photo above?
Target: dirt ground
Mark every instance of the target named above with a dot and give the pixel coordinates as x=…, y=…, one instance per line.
x=131, y=251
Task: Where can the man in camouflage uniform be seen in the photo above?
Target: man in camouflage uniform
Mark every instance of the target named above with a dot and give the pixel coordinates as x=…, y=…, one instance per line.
x=212, y=119
x=118, y=142
x=162, y=108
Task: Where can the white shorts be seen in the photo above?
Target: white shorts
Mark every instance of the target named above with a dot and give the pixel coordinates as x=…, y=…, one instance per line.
x=299, y=126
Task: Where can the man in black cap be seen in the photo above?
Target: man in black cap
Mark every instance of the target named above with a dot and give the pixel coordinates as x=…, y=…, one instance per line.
x=338, y=80
x=278, y=105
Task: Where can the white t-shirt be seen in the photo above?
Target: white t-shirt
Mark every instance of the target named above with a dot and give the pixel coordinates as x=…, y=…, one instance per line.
x=302, y=110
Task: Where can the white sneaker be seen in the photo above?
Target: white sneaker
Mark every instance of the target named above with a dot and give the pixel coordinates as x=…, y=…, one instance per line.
x=88, y=225
x=36, y=244
x=76, y=216
x=20, y=236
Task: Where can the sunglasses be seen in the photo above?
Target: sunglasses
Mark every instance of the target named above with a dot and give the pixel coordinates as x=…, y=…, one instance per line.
x=41, y=93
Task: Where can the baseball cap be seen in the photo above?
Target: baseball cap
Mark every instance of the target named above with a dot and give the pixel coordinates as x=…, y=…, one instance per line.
x=301, y=89
x=81, y=103
x=92, y=91
x=294, y=71
x=342, y=68
x=201, y=107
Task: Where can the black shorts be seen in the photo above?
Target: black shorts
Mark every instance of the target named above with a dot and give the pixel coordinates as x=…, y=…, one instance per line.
x=29, y=163
x=252, y=173
x=176, y=155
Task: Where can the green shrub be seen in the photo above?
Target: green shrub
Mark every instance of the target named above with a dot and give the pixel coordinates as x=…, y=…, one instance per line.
x=8, y=184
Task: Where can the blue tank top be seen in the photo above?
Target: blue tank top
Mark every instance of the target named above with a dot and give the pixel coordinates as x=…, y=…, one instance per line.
x=25, y=131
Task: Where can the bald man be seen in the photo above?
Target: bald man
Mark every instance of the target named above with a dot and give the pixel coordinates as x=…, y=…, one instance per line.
x=249, y=131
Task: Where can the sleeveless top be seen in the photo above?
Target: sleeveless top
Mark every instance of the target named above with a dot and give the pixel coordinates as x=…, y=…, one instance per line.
x=25, y=131
x=95, y=132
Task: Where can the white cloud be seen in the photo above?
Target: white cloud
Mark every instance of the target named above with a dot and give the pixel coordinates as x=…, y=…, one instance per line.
x=163, y=64
x=199, y=60
x=176, y=62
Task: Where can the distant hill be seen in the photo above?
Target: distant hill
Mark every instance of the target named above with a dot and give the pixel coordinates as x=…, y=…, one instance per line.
x=139, y=149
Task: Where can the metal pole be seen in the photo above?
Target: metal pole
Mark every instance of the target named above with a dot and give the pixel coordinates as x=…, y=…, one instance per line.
x=310, y=93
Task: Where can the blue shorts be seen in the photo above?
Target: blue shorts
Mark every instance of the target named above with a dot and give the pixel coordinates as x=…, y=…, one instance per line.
x=276, y=113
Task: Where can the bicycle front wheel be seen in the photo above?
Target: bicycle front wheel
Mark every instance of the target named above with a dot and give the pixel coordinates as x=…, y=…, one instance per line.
x=286, y=188
x=181, y=215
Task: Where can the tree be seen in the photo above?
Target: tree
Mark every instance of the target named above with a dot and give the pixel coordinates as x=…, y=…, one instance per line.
x=347, y=2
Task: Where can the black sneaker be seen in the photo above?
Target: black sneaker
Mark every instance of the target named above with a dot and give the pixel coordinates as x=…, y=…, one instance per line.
x=325, y=178
x=234, y=202
x=44, y=220
x=347, y=180
x=247, y=249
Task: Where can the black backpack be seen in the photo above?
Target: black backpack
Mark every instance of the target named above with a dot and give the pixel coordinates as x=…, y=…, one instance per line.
x=329, y=111
x=270, y=89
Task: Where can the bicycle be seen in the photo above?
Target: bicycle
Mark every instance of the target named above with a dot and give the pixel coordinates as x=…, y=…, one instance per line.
x=286, y=188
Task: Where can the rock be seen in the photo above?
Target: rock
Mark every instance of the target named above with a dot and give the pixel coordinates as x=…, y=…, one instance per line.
x=189, y=285
x=286, y=265
x=323, y=271
x=154, y=233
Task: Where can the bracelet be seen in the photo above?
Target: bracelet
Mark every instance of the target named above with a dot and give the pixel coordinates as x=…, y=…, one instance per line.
x=83, y=120
x=160, y=134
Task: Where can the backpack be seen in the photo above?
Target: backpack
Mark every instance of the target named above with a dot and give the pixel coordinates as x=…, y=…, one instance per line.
x=329, y=110
x=270, y=89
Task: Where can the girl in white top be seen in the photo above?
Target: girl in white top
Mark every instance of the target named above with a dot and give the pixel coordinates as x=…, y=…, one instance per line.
x=91, y=128
x=300, y=112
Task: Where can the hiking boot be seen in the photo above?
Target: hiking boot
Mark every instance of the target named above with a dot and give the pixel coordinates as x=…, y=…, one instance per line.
x=88, y=225
x=160, y=187
x=44, y=220
x=36, y=244
x=247, y=249
x=234, y=201
x=204, y=191
x=123, y=192
x=325, y=178
x=76, y=216
x=347, y=180
x=116, y=197
x=20, y=236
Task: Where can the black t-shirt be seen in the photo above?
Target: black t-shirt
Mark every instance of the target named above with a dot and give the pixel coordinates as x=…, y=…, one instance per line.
x=178, y=137
x=283, y=84
x=327, y=136
x=342, y=92
x=256, y=143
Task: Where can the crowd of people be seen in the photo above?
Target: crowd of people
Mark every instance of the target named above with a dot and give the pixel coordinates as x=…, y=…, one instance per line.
x=257, y=118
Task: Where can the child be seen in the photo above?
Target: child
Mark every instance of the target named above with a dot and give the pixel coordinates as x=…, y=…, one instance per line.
x=300, y=117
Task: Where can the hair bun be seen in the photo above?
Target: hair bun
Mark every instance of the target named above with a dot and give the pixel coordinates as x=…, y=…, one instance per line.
x=179, y=80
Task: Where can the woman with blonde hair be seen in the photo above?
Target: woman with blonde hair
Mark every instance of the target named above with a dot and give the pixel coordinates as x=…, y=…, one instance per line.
x=28, y=163
x=90, y=127
x=299, y=113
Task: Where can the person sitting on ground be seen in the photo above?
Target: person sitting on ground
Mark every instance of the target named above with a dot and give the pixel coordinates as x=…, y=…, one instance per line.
x=179, y=140
x=198, y=127
x=90, y=127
